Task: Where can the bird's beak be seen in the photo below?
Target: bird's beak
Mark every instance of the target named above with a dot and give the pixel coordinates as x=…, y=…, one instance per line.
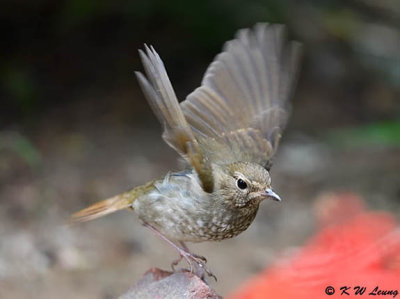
x=271, y=194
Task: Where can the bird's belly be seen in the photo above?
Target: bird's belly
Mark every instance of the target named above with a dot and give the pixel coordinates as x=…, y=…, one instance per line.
x=184, y=217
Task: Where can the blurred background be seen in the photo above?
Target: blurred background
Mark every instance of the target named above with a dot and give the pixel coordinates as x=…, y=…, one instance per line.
x=75, y=128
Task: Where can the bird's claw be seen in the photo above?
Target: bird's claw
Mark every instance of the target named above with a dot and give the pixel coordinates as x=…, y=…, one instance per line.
x=203, y=268
x=197, y=264
x=176, y=262
x=200, y=257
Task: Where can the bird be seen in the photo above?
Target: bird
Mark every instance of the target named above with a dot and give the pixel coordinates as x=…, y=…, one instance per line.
x=227, y=131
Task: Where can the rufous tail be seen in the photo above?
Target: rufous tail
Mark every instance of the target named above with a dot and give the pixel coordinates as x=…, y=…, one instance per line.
x=111, y=205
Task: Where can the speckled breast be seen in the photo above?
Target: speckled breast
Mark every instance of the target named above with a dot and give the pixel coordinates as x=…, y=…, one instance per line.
x=180, y=209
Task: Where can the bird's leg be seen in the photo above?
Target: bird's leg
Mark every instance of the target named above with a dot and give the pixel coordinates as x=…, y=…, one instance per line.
x=180, y=250
x=202, y=258
x=176, y=262
x=199, y=261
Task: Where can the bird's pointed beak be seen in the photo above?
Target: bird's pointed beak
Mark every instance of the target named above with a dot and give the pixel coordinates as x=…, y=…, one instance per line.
x=271, y=194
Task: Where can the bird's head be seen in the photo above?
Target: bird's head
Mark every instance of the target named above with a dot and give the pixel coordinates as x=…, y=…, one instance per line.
x=245, y=184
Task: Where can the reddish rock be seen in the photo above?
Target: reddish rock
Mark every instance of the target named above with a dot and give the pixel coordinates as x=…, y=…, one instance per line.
x=157, y=283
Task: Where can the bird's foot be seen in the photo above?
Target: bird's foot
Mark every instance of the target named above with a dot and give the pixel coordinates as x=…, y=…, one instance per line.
x=197, y=263
x=201, y=267
x=176, y=262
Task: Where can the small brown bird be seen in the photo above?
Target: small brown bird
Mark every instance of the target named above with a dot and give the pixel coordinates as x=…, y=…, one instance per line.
x=227, y=130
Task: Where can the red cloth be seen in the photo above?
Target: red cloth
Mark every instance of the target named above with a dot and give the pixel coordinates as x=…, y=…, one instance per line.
x=353, y=247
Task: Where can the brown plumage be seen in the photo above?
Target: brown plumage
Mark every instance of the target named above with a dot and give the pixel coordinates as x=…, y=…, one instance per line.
x=111, y=205
x=227, y=130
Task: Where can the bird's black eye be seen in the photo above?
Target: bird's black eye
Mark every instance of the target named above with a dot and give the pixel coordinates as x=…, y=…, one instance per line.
x=241, y=184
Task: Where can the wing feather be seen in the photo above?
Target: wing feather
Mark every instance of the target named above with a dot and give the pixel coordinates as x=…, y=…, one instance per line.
x=177, y=133
x=162, y=99
x=242, y=104
x=239, y=111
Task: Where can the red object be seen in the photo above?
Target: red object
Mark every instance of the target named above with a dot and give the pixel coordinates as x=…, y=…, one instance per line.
x=353, y=250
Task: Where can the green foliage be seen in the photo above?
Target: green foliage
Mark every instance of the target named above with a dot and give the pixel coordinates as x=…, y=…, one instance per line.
x=21, y=87
x=384, y=134
x=19, y=144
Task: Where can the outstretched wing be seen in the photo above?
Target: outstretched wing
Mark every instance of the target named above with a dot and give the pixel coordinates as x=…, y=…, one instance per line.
x=177, y=132
x=239, y=111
